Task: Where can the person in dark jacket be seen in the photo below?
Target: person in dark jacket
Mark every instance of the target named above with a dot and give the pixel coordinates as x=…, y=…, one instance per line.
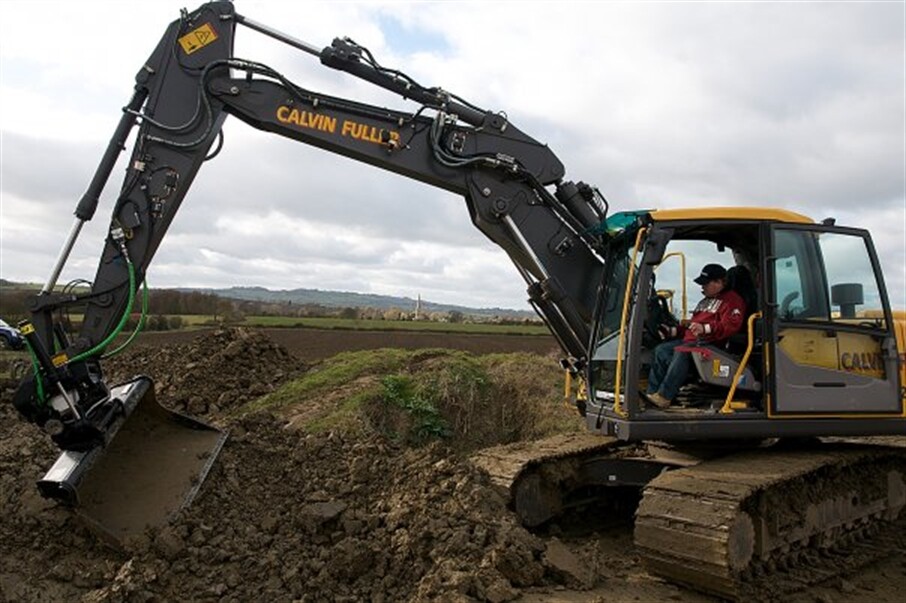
x=716, y=317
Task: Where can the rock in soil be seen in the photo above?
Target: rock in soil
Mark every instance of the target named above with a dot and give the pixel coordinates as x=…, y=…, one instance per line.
x=287, y=515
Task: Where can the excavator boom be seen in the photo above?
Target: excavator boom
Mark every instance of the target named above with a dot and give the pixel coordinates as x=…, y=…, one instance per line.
x=512, y=185
x=822, y=353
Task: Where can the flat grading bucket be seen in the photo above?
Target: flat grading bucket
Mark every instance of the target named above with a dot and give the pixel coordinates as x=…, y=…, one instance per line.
x=151, y=469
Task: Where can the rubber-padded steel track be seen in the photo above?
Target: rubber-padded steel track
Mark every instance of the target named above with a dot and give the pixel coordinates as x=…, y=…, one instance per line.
x=757, y=524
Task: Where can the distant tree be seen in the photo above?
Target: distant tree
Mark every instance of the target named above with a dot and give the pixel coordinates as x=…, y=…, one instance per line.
x=455, y=316
x=250, y=307
x=233, y=316
x=313, y=310
x=348, y=313
x=158, y=322
x=371, y=313
x=222, y=308
x=164, y=301
x=393, y=314
x=13, y=304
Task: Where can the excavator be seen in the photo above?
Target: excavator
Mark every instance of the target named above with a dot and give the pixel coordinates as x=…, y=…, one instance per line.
x=756, y=473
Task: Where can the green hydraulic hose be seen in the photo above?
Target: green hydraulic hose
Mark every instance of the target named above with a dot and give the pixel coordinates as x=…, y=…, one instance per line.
x=138, y=327
x=36, y=366
x=119, y=327
x=36, y=371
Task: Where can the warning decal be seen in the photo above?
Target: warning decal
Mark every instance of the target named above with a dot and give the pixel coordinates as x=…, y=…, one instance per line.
x=198, y=38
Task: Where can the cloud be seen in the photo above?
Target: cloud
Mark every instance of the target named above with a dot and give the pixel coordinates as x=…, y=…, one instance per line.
x=797, y=105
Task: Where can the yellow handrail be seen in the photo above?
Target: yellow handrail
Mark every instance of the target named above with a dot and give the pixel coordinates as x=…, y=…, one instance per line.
x=750, y=343
x=682, y=257
x=617, y=407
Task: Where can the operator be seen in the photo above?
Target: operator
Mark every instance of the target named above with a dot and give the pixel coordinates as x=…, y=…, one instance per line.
x=716, y=317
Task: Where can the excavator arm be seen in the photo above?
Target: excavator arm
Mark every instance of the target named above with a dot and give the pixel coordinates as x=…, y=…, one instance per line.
x=512, y=184
x=128, y=463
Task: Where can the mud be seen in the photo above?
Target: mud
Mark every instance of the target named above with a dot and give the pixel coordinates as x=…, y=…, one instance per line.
x=312, y=345
x=212, y=373
x=289, y=514
x=148, y=473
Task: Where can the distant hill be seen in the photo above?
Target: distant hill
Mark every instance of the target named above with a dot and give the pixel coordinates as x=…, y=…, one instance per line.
x=330, y=299
x=346, y=299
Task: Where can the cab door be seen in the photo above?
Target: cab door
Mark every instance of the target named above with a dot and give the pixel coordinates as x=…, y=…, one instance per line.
x=833, y=346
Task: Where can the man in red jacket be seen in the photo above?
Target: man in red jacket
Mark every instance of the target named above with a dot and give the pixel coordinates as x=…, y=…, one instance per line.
x=716, y=317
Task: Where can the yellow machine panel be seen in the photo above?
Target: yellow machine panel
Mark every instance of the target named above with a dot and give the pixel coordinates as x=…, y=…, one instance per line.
x=847, y=352
x=860, y=354
x=811, y=347
x=899, y=327
x=731, y=213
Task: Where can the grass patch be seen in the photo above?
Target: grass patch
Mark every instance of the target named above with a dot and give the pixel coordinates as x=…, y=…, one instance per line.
x=333, y=373
x=425, y=421
x=344, y=417
x=418, y=396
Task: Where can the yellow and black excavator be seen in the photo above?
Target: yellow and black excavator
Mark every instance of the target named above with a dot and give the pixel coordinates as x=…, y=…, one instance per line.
x=734, y=478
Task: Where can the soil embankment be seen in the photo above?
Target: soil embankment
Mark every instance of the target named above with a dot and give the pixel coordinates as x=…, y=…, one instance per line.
x=344, y=479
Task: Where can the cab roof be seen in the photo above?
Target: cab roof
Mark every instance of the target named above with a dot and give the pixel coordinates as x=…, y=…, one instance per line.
x=766, y=214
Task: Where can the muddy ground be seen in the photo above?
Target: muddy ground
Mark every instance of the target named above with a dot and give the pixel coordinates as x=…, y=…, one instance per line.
x=326, y=493
x=312, y=345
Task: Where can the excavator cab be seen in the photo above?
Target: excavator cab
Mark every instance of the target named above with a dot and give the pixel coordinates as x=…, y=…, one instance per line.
x=817, y=353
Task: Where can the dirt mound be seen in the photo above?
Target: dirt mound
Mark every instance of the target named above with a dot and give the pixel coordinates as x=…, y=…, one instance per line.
x=321, y=517
x=218, y=371
x=295, y=512
x=345, y=482
x=412, y=397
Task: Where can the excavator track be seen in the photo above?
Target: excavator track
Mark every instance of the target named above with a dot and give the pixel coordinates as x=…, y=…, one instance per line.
x=538, y=476
x=754, y=525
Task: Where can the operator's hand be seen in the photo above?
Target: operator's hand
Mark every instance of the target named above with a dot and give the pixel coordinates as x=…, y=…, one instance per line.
x=697, y=329
x=666, y=332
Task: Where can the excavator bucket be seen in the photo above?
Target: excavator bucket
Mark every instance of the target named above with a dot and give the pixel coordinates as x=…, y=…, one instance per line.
x=152, y=467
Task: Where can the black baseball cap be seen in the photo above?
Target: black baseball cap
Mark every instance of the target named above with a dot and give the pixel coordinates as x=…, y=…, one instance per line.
x=711, y=272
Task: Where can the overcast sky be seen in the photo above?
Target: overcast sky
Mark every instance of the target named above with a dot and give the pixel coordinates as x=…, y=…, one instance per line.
x=796, y=105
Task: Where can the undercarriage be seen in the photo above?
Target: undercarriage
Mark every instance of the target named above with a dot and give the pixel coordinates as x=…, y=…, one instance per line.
x=742, y=524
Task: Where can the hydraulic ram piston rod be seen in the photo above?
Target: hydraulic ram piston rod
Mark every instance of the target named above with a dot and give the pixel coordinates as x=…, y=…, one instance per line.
x=64, y=255
x=89, y=202
x=278, y=35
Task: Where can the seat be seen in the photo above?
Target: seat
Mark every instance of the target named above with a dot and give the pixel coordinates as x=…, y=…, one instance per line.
x=740, y=280
x=716, y=366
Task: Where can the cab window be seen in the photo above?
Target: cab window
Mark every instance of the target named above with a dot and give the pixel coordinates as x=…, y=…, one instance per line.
x=825, y=276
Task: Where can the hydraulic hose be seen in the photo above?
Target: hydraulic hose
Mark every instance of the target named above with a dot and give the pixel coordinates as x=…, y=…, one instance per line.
x=119, y=327
x=36, y=372
x=138, y=327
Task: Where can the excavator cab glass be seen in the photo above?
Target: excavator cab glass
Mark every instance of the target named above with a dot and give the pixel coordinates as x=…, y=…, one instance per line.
x=817, y=338
x=619, y=260
x=835, y=351
x=617, y=283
